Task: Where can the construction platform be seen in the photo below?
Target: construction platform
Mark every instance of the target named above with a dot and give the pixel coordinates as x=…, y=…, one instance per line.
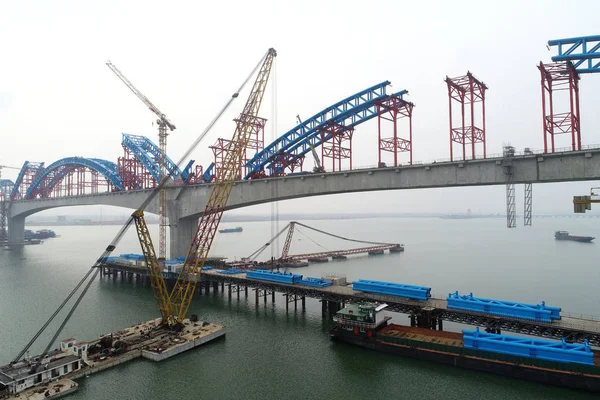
x=149, y=340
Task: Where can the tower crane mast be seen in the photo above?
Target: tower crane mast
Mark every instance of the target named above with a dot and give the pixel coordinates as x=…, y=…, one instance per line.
x=163, y=125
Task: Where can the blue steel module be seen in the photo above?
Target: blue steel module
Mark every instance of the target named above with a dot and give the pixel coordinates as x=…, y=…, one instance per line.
x=527, y=347
x=393, y=289
x=532, y=312
x=583, y=52
x=280, y=277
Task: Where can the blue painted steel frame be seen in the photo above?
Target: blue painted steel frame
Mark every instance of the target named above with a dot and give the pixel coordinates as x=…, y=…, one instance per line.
x=147, y=153
x=579, y=50
x=529, y=347
x=349, y=119
x=537, y=312
x=108, y=169
x=26, y=165
x=309, y=126
x=6, y=187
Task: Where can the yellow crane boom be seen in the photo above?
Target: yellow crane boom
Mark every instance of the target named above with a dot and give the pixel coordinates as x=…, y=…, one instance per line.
x=175, y=305
x=246, y=124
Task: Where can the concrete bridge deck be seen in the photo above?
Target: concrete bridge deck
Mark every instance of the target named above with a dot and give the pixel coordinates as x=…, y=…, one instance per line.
x=186, y=203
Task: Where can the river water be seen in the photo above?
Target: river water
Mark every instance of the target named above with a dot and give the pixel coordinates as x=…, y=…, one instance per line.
x=271, y=354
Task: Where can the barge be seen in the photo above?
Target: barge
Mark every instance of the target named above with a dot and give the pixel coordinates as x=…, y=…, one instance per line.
x=556, y=363
x=52, y=375
x=564, y=235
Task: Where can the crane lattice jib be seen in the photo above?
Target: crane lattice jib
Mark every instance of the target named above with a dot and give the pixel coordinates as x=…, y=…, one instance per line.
x=162, y=118
x=288, y=241
x=159, y=287
x=184, y=288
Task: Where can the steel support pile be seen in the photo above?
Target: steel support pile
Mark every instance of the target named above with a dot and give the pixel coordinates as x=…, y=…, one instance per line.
x=560, y=77
x=467, y=91
x=508, y=168
x=528, y=204
x=391, y=109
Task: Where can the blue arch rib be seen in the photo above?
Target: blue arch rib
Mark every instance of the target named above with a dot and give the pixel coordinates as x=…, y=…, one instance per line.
x=27, y=165
x=148, y=153
x=106, y=168
x=309, y=126
x=349, y=119
x=6, y=187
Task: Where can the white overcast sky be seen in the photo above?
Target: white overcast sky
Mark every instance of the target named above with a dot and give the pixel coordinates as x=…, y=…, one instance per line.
x=59, y=99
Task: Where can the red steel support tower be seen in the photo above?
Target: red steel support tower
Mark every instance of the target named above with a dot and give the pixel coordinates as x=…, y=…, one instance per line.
x=467, y=91
x=256, y=142
x=282, y=161
x=391, y=110
x=336, y=144
x=560, y=76
x=134, y=174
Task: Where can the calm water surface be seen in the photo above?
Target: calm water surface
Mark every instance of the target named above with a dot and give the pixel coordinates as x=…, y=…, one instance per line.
x=271, y=354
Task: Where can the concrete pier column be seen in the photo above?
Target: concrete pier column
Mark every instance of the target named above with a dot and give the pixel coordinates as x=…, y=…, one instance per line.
x=181, y=236
x=16, y=230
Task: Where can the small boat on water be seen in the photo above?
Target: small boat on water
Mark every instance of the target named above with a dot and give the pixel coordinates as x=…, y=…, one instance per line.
x=564, y=235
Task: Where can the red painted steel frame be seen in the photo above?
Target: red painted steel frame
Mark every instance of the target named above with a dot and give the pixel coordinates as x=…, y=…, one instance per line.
x=281, y=162
x=467, y=91
x=391, y=110
x=134, y=174
x=28, y=177
x=560, y=76
x=335, y=148
x=256, y=142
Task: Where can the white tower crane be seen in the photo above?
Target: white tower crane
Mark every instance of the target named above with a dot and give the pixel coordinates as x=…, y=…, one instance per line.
x=163, y=124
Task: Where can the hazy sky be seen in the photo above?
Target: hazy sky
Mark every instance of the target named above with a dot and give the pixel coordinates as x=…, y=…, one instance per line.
x=59, y=99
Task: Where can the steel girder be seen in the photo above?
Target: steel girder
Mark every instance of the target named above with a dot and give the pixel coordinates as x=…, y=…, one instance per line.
x=309, y=126
x=149, y=154
x=58, y=170
x=583, y=52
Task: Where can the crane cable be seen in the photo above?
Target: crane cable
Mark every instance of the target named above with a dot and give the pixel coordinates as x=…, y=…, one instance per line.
x=109, y=249
x=342, y=237
x=306, y=236
x=253, y=256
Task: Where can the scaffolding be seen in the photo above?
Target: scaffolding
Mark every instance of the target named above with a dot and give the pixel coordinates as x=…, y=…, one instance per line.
x=392, y=109
x=556, y=78
x=336, y=144
x=508, y=168
x=528, y=204
x=467, y=91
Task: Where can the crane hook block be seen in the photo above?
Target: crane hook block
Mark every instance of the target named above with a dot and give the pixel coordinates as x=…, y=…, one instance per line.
x=110, y=248
x=235, y=95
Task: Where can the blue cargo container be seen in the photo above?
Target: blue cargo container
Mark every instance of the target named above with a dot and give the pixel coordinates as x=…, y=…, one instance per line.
x=393, y=289
x=530, y=348
x=533, y=312
x=207, y=268
x=230, y=271
x=315, y=282
x=280, y=277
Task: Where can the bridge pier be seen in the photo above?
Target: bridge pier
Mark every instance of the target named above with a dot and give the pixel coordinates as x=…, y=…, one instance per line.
x=181, y=236
x=16, y=230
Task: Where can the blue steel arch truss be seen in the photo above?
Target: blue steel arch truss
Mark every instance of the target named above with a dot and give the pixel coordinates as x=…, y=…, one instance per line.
x=29, y=170
x=149, y=154
x=6, y=187
x=583, y=52
x=45, y=181
x=302, y=132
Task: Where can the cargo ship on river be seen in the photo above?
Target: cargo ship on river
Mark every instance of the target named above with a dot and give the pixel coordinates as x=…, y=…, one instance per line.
x=550, y=362
x=231, y=230
x=564, y=235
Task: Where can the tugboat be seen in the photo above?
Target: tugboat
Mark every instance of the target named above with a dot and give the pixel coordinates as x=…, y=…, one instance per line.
x=564, y=235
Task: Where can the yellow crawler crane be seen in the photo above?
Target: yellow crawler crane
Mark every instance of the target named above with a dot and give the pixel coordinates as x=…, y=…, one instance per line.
x=174, y=307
